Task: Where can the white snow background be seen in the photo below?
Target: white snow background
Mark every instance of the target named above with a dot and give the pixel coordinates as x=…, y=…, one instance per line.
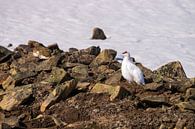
x=154, y=31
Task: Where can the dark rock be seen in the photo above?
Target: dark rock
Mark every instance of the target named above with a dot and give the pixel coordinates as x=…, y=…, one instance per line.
x=113, y=91
x=98, y=34
x=23, y=49
x=172, y=70
x=60, y=92
x=53, y=47
x=9, y=45
x=73, y=49
x=105, y=57
x=15, y=97
x=86, y=59
x=5, y=54
x=93, y=50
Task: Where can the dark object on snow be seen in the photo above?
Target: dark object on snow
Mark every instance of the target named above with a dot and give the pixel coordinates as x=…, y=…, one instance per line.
x=98, y=34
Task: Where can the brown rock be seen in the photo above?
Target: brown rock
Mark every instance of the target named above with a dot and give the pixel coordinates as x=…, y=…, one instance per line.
x=15, y=97
x=190, y=94
x=183, y=106
x=82, y=86
x=16, y=79
x=98, y=34
x=106, y=56
x=80, y=72
x=60, y=92
x=153, y=86
x=93, y=50
x=3, y=77
x=172, y=70
x=114, y=79
x=155, y=101
x=86, y=59
x=180, y=123
x=57, y=76
x=113, y=91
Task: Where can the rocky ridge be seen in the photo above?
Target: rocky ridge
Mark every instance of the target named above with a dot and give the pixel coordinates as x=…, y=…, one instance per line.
x=45, y=87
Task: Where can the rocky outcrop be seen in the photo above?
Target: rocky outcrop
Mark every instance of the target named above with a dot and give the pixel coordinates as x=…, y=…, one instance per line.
x=84, y=88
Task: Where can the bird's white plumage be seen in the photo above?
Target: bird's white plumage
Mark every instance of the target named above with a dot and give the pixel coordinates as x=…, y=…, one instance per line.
x=130, y=71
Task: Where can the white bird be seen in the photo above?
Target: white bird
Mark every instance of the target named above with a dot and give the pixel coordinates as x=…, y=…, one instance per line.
x=130, y=71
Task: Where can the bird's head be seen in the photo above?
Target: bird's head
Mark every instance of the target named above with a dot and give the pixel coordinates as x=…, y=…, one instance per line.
x=126, y=54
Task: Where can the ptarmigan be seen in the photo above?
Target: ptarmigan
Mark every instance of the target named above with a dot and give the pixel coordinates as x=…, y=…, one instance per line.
x=130, y=71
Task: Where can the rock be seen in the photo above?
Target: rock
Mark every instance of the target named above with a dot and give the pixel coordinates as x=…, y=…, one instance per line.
x=180, y=123
x=106, y=56
x=93, y=50
x=4, y=66
x=16, y=79
x=80, y=72
x=53, y=47
x=114, y=79
x=5, y=54
x=39, y=50
x=155, y=101
x=15, y=97
x=153, y=87
x=9, y=45
x=98, y=34
x=190, y=94
x=57, y=76
x=113, y=91
x=3, y=77
x=184, y=106
x=86, y=59
x=42, y=121
x=73, y=49
x=23, y=50
x=172, y=70
x=83, y=86
x=48, y=64
x=12, y=121
x=178, y=86
x=60, y=92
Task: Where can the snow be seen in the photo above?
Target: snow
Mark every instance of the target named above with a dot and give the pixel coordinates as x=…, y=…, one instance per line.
x=154, y=31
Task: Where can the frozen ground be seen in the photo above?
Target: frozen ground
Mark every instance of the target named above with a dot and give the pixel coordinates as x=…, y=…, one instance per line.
x=154, y=31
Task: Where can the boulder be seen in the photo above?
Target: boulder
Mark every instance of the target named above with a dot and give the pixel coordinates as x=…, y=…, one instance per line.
x=98, y=34
x=3, y=77
x=172, y=70
x=113, y=91
x=105, y=57
x=23, y=49
x=15, y=97
x=80, y=72
x=60, y=92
